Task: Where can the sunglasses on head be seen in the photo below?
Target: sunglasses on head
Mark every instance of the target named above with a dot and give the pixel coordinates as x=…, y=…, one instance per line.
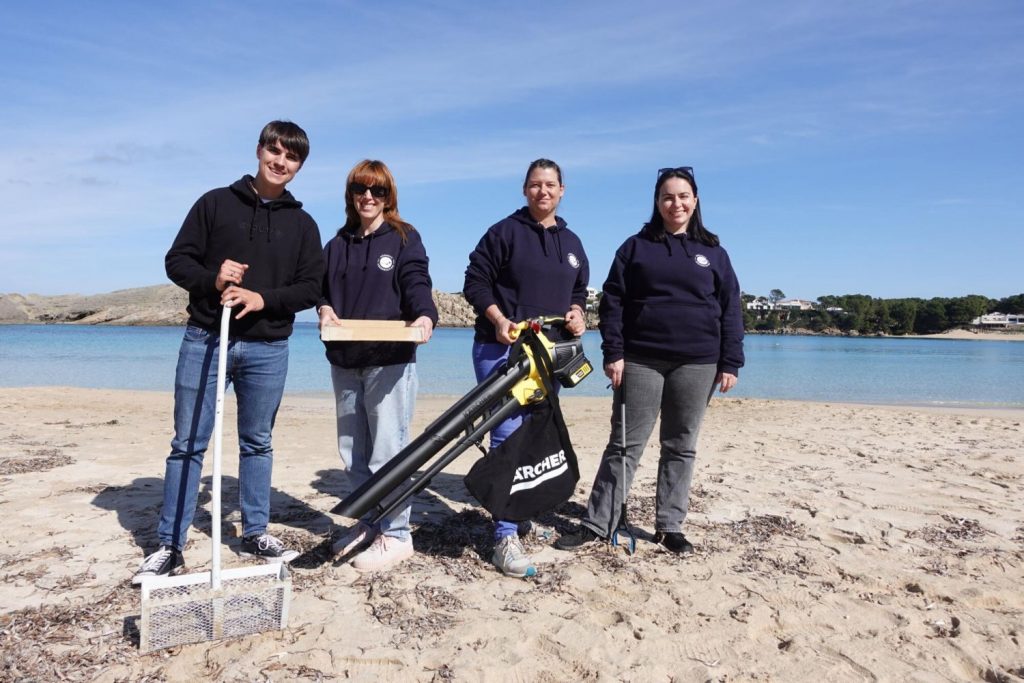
x=375, y=190
x=688, y=170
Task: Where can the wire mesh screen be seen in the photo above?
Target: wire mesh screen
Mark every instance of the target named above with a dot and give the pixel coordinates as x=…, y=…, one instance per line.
x=193, y=612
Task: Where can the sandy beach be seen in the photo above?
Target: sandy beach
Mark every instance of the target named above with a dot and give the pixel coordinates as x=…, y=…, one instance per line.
x=975, y=335
x=834, y=542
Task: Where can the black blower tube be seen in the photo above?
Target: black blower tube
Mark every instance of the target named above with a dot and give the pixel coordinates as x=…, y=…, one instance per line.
x=491, y=393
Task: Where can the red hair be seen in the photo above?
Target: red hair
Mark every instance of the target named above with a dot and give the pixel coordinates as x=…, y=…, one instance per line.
x=371, y=172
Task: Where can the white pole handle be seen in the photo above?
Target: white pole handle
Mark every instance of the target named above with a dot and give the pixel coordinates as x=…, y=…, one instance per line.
x=218, y=443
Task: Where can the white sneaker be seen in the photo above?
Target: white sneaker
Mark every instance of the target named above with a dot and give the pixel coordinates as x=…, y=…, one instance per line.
x=510, y=557
x=384, y=552
x=356, y=538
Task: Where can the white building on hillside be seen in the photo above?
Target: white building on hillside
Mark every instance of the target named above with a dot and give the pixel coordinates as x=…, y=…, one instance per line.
x=999, y=320
x=795, y=305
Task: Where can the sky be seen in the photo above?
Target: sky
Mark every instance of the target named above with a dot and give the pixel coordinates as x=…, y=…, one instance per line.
x=871, y=147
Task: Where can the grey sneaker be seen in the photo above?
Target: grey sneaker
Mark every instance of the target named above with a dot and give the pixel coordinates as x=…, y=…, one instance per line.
x=164, y=562
x=511, y=559
x=268, y=548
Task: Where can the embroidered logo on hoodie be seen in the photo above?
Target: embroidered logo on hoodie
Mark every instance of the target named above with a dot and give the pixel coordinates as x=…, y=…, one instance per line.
x=385, y=262
x=573, y=261
x=702, y=260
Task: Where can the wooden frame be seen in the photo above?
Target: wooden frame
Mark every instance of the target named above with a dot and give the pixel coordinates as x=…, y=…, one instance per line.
x=372, y=330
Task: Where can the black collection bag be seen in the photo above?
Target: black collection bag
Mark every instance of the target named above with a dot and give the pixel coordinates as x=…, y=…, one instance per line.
x=535, y=469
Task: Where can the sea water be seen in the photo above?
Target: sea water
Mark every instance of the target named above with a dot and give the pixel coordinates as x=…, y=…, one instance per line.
x=857, y=370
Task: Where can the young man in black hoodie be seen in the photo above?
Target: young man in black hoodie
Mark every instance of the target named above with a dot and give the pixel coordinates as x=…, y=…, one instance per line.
x=252, y=247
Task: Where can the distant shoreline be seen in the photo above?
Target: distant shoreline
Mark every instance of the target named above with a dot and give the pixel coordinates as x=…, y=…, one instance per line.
x=165, y=305
x=952, y=335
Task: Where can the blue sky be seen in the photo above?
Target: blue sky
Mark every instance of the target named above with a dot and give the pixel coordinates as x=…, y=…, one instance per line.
x=840, y=147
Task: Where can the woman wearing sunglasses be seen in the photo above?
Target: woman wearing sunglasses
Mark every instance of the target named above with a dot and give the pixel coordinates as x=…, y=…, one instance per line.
x=376, y=269
x=671, y=329
x=526, y=265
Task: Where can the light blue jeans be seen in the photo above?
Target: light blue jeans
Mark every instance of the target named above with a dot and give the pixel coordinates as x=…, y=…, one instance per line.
x=488, y=359
x=257, y=371
x=374, y=408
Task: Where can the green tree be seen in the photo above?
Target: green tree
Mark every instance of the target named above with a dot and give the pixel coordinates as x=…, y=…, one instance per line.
x=1010, y=304
x=749, y=320
x=881, y=319
x=931, y=317
x=828, y=301
x=776, y=295
x=903, y=312
x=818, y=320
x=961, y=311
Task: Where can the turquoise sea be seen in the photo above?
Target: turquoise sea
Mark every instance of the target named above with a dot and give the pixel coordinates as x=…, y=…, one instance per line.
x=935, y=372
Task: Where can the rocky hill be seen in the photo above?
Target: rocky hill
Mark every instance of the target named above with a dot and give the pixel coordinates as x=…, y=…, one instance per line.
x=157, y=305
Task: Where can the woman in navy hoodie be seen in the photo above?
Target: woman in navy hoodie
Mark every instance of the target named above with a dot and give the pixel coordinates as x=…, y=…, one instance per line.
x=671, y=329
x=527, y=265
x=376, y=270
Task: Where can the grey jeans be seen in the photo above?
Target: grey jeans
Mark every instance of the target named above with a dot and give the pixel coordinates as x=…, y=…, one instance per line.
x=649, y=386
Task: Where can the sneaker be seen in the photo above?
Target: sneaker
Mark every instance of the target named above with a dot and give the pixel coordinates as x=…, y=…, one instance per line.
x=164, y=562
x=511, y=559
x=581, y=537
x=356, y=538
x=674, y=541
x=384, y=552
x=267, y=547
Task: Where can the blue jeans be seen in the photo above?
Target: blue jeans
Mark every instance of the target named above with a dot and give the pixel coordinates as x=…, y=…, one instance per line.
x=257, y=369
x=488, y=357
x=374, y=407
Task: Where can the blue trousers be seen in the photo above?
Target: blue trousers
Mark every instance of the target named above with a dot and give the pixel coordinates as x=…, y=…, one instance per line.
x=257, y=371
x=487, y=359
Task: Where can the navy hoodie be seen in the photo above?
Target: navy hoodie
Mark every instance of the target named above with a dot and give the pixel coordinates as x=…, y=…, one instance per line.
x=676, y=300
x=527, y=270
x=376, y=277
x=277, y=239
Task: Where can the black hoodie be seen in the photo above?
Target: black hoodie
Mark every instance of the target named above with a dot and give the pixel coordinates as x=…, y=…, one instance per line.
x=527, y=270
x=377, y=277
x=676, y=299
x=277, y=239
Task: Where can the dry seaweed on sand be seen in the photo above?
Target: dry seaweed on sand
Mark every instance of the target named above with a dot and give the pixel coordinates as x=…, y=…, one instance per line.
x=411, y=619
x=36, y=461
x=756, y=535
x=73, y=642
x=757, y=561
x=454, y=534
x=948, y=537
x=762, y=528
x=437, y=598
x=640, y=510
x=553, y=579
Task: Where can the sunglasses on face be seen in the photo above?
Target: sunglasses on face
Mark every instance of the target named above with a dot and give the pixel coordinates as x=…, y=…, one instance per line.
x=688, y=170
x=360, y=189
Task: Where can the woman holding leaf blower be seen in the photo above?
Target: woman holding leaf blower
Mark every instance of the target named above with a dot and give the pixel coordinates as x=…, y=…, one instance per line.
x=527, y=265
x=671, y=330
